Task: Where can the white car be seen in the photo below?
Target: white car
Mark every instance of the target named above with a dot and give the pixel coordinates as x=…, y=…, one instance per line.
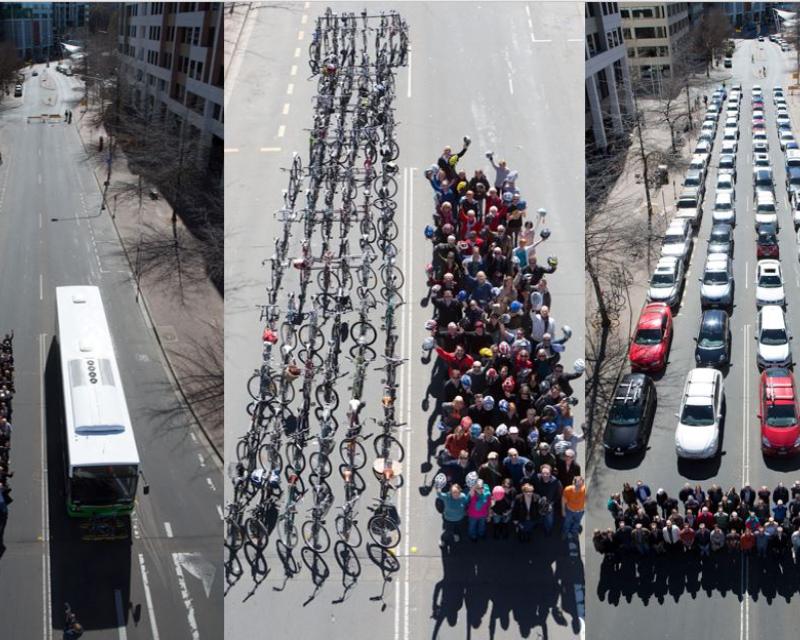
x=697, y=435
x=758, y=115
x=716, y=285
x=699, y=163
x=785, y=137
x=727, y=164
x=678, y=240
x=666, y=282
x=724, y=206
x=703, y=148
x=766, y=210
x=731, y=122
x=761, y=160
x=730, y=133
x=761, y=147
x=773, y=338
x=726, y=183
x=729, y=146
x=708, y=126
x=769, y=283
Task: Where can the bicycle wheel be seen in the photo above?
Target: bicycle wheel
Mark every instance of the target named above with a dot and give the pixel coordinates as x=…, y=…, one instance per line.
x=363, y=333
x=327, y=397
x=257, y=534
x=348, y=531
x=353, y=453
x=287, y=533
x=347, y=559
x=387, y=446
x=315, y=536
x=289, y=335
x=366, y=277
x=233, y=567
x=388, y=229
x=367, y=230
x=394, y=149
x=269, y=457
x=368, y=353
x=311, y=338
x=295, y=460
x=234, y=535
x=385, y=187
x=316, y=359
x=393, y=276
x=243, y=448
x=333, y=283
x=320, y=464
x=384, y=531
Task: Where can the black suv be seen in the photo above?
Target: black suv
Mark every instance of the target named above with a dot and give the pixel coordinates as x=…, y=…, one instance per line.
x=714, y=340
x=630, y=418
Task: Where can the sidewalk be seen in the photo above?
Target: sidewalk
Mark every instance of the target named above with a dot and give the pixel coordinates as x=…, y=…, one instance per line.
x=188, y=327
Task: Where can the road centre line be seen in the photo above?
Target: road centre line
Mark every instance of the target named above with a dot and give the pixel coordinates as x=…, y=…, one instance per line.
x=281, y=130
x=304, y=18
x=41, y=289
x=290, y=89
x=148, y=599
x=408, y=92
x=293, y=70
x=408, y=442
x=269, y=149
x=168, y=529
x=300, y=35
x=200, y=459
x=286, y=108
x=297, y=52
x=510, y=85
x=123, y=632
x=231, y=150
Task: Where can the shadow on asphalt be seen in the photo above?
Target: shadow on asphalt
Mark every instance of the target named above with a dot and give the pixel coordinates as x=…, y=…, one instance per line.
x=669, y=577
x=625, y=463
x=500, y=583
x=87, y=574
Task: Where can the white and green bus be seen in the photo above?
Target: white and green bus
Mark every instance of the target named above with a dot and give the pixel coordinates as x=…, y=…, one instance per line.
x=101, y=460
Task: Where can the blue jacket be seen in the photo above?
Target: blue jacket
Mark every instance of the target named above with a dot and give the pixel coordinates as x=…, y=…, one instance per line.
x=454, y=509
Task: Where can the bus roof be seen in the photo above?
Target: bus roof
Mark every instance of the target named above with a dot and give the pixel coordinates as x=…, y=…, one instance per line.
x=98, y=426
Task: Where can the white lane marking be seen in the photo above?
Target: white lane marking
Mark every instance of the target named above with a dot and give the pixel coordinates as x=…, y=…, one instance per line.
x=746, y=279
x=168, y=529
x=306, y=5
x=300, y=35
x=304, y=18
x=211, y=484
x=41, y=288
x=40, y=219
x=192, y=436
x=746, y=407
x=148, y=599
x=408, y=443
x=200, y=459
x=293, y=70
x=528, y=10
x=286, y=108
x=510, y=85
x=269, y=149
x=46, y=592
x=297, y=52
x=290, y=89
x=219, y=511
x=231, y=150
x=187, y=599
x=575, y=40
x=281, y=130
x=408, y=91
x=123, y=633
x=530, y=23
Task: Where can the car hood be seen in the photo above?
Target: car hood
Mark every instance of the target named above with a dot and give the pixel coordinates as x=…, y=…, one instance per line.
x=646, y=352
x=774, y=352
x=719, y=247
x=770, y=294
x=673, y=250
x=780, y=436
x=659, y=294
x=616, y=436
x=715, y=290
x=708, y=356
x=695, y=439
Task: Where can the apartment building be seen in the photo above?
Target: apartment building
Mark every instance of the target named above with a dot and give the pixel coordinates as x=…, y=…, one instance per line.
x=608, y=84
x=172, y=58
x=29, y=25
x=653, y=33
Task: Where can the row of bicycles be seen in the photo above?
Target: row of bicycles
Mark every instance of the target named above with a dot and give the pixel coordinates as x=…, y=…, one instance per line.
x=320, y=323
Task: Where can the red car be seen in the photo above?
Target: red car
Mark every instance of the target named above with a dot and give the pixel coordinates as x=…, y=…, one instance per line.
x=767, y=245
x=652, y=339
x=780, y=431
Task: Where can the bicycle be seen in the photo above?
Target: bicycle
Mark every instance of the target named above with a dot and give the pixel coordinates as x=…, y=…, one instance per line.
x=384, y=524
x=287, y=530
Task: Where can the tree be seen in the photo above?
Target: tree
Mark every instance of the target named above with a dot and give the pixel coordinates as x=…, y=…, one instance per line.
x=10, y=64
x=710, y=34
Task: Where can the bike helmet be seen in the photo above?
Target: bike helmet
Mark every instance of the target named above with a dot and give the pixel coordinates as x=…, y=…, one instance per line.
x=533, y=437
x=429, y=231
x=461, y=296
x=549, y=426
x=508, y=196
x=431, y=325
x=504, y=349
x=522, y=204
x=498, y=493
x=491, y=374
x=472, y=479
x=475, y=430
x=544, y=386
x=488, y=403
x=503, y=404
x=508, y=384
x=466, y=381
x=269, y=336
x=442, y=426
x=567, y=331
x=515, y=260
x=515, y=307
x=537, y=300
x=544, y=234
x=440, y=481
x=453, y=160
x=466, y=422
x=505, y=318
x=502, y=430
x=486, y=352
x=495, y=291
x=552, y=261
x=580, y=365
x=542, y=212
x=428, y=344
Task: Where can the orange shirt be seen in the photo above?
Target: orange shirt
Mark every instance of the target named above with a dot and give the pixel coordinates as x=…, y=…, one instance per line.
x=575, y=499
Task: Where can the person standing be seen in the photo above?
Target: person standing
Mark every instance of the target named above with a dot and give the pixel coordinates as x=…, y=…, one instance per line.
x=455, y=507
x=548, y=487
x=573, y=505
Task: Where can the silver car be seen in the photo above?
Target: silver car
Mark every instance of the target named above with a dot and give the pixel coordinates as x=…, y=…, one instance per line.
x=716, y=288
x=666, y=282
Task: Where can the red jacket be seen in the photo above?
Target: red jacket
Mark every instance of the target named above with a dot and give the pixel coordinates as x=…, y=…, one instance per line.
x=707, y=518
x=465, y=227
x=463, y=365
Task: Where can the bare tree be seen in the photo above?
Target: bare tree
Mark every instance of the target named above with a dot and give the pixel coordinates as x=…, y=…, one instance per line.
x=710, y=34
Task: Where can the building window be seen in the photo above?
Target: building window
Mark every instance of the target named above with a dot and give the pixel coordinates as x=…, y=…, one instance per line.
x=196, y=36
x=216, y=111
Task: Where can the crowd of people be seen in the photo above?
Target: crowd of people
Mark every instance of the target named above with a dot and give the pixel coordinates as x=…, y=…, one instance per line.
x=760, y=522
x=6, y=395
x=505, y=423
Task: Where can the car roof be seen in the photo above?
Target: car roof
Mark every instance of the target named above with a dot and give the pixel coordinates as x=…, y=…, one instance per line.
x=778, y=384
x=713, y=318
x=667, y=262
x=769, y=265
x=720, y=227
x=717, y=261
x=724, y=196
x=678, y=225
x=773, y=315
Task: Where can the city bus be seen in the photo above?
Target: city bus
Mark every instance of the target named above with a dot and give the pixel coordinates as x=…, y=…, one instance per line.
x=100, y=457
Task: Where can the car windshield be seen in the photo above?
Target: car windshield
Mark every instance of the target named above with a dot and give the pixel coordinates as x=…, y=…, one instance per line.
x=723, y=206
x=765, y=209
x=710, y=340
x=697, y=415
x=766, y=238
x=720, y=236
x=773, y=336
x=781, y=415
x=648, y=336
x=662, y=280
x=769, y=280
x=691, y=182
x=673, y=239
x=726, y=163
x=715, y=277
x=624, y=414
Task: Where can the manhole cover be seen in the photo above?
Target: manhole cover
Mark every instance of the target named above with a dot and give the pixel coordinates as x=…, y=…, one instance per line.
x=168, y=333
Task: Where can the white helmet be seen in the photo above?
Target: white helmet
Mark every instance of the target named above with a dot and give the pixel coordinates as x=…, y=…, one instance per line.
x=580, y=365
x=472, y=479
x=440, y=481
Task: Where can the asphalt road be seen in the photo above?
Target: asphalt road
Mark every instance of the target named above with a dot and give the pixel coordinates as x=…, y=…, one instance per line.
x=165, y=582
x=518, y=104
x=733, y=600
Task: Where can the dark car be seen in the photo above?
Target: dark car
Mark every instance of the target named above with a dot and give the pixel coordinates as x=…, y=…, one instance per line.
x=714, y=340
x=630, y=418
x=18, y=91
x=720, y=240
x=767, y=242
x=793, y=182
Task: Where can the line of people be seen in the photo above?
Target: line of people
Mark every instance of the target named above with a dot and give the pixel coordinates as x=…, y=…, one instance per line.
x=759, y=522
x=6, y=396
x=504, y=413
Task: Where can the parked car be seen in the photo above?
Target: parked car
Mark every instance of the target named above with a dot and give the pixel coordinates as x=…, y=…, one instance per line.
x=716, y=285
x=769, y=283
x=714, y=339
x=780, y=433
x=678, y=240
x=720, y=239
x=651, y=342
x=630, y=417
x=700, y=415
x=772, y=337
x=666, y=282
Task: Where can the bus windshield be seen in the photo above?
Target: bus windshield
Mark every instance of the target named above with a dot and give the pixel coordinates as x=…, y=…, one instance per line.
x=103, y=485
